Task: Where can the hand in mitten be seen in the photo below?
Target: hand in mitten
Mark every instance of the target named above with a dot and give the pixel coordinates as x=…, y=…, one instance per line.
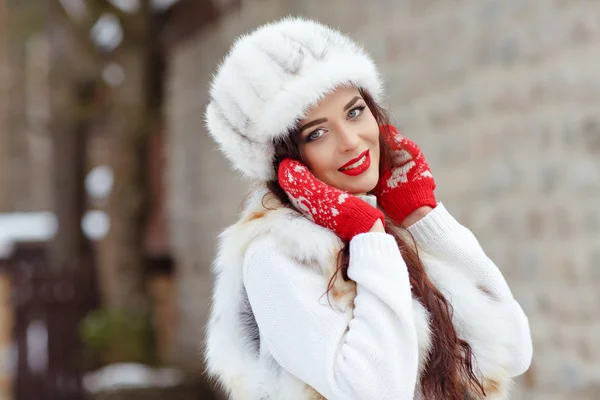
x=344, y=214
x=408, y=184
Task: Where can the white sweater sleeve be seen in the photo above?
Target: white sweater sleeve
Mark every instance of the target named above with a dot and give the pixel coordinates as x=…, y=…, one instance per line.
x=370, y=354
x=441, y=236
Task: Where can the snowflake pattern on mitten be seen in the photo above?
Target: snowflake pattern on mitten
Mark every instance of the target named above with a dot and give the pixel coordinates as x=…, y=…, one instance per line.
x=409, y=183
x=408, y=160
x=327, y=206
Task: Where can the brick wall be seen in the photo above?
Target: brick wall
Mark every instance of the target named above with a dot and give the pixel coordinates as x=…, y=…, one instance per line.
x=25, y=147
x=3, y=107
x=504, y=99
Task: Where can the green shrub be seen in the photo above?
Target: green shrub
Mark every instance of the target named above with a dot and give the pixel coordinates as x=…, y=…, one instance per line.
x=111, y=336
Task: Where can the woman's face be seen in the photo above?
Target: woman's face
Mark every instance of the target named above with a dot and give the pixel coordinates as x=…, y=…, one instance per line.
x=339, y=142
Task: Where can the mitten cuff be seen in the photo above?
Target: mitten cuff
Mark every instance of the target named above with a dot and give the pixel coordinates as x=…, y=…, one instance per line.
x=415, y=194
x=359, y=219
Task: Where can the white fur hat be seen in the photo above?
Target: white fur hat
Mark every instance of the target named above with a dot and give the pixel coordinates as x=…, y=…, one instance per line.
x=270, y=78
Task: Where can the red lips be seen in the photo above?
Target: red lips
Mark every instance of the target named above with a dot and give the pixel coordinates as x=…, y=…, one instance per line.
x=361, y=168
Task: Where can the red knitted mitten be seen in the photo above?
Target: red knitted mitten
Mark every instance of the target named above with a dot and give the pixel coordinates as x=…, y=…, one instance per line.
x=344, y=214
x=409, y=184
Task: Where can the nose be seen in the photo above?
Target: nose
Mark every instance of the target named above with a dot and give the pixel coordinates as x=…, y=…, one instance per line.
x=349, y=139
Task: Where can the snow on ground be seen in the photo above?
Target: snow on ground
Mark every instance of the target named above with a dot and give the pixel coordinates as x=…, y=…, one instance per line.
x=130, y=375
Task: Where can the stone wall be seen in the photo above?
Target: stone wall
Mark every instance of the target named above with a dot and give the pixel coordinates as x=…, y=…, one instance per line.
x=3, y=107
x=503, y=96
x=25, y=147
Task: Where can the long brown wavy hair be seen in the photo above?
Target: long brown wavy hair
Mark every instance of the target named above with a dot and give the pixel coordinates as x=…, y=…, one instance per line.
x=449, y=369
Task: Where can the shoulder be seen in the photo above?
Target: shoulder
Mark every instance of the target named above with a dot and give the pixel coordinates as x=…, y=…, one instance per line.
x=265, y=225
x=272, y=239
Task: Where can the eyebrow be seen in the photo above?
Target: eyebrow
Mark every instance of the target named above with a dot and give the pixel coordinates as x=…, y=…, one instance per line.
x=313, y=123
x=351, y=103
x=321, y=120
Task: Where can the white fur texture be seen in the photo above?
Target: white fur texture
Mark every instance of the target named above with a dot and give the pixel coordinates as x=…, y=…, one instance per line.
x=480, y=320
x=486, y=324
x=270, y=78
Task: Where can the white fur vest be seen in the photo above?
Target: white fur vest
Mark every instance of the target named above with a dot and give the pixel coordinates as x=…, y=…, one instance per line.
x=232, y=333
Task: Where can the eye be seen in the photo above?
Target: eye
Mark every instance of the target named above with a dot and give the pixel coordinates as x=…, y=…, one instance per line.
x=314, y=135
x=355, y=112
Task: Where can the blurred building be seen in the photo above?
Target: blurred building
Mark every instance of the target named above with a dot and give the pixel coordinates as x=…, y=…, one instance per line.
x=6, y=313
x=27, y=192
x=503, y=97
x=25, y=148
x=3, y=103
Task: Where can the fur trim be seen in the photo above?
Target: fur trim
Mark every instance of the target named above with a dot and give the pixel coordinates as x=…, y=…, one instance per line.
x=270, y=78
x=246, y=371
x=482, y=321
x=230, y=349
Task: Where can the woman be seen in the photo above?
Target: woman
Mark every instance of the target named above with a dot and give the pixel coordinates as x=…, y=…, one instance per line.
x=343, y=278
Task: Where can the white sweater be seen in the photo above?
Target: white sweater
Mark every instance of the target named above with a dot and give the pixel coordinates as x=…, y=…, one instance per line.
x=372, y=353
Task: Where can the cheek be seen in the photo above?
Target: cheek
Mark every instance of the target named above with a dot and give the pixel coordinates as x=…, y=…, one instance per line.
x=372, y=137
x=377, y=147
x=318, y=159
x=370, y=129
